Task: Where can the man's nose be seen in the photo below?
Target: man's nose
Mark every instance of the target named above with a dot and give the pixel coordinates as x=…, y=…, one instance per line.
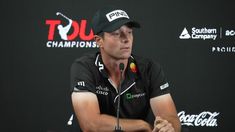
x=124, y=37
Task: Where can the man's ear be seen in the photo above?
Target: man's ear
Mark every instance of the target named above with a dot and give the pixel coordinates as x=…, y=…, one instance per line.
x=98, y=40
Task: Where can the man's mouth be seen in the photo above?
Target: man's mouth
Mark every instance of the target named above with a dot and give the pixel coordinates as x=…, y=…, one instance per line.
x=125, y=48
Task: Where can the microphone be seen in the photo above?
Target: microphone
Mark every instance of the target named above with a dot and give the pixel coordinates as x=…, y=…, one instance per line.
x=118, y=128
x=121, y=67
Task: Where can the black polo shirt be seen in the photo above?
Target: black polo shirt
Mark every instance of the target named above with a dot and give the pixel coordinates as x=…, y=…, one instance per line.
x=144, y=79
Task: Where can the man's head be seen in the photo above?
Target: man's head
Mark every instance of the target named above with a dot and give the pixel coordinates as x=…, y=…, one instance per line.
x=113, y=32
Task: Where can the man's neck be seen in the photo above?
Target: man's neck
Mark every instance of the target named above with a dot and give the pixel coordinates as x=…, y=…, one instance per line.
x=112, y=66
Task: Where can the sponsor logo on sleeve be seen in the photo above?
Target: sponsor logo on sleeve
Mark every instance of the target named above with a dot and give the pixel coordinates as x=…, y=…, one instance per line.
x=166, y=85
x=81, y=83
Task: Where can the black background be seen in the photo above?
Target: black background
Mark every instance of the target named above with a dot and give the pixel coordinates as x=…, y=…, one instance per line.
x=35, y=79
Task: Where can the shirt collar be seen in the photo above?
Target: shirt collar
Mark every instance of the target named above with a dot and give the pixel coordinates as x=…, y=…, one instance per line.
x=131, y=70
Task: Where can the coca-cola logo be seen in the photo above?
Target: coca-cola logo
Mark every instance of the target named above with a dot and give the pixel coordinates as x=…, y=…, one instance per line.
x=204, y=118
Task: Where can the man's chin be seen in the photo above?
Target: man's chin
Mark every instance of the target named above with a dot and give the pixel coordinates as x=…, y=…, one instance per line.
x=125, y=56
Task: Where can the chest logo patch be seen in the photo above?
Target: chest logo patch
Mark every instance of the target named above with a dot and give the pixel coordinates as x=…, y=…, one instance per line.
x=102, y=90
x=130, y=96
x=133, y=67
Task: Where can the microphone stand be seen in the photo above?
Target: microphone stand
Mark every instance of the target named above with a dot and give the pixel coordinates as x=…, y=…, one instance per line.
x=118, y=128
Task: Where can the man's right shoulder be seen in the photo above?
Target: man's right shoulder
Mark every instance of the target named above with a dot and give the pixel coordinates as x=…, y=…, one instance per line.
x=88, y=58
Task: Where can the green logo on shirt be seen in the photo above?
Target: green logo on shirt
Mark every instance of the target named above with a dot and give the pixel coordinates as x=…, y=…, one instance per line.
x=130, y=96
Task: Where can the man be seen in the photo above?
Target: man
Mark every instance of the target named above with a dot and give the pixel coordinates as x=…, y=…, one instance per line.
x=96, y=80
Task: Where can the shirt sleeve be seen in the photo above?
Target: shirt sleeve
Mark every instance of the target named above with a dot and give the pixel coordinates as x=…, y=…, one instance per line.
x=158, y=82
x=81, y=78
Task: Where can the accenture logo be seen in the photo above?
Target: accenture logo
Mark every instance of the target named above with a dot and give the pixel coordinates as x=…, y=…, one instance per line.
x=230, y=33
x=199, y=33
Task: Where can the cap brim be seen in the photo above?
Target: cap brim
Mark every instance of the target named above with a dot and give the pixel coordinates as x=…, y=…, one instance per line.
x=120, y=23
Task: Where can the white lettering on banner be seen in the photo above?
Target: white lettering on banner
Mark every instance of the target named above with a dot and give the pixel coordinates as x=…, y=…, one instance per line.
x=199, y=33
x=204, y=33
x=71, y=44
x=111, y=16
x=223, y=49
x=230, y=33
x=204, y=37
x=203, y=30
x=70, y=122
x=205, y=118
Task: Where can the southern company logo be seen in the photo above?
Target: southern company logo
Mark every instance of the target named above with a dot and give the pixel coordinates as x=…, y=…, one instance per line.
x=72, y=34
x=199, y=33
x=206, y=33
x=185, y=34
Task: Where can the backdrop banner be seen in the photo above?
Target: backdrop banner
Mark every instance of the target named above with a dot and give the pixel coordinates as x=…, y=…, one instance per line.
x=192, y=40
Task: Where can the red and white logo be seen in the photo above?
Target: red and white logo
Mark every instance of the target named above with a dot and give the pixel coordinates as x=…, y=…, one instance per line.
x=71, y=35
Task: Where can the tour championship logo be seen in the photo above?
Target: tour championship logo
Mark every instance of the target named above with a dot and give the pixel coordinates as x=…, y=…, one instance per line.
x=203, y=119
x=68, y=33
x=199, y=33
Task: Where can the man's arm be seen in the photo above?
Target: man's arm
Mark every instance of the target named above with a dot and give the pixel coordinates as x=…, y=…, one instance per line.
x=87, y=111
x=166, y=115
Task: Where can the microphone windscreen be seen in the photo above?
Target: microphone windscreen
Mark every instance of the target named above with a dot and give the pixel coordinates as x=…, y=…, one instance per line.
x=121, y=66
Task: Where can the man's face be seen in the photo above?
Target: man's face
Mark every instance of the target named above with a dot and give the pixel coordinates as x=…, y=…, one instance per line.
x=117, y=44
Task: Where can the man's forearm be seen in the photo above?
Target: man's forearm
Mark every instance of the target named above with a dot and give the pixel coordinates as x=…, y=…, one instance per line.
x=131, y=125
x=108, y=123
x=175, y=123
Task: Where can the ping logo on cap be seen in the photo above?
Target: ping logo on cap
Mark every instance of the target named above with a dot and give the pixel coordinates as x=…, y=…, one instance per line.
x=113, y=15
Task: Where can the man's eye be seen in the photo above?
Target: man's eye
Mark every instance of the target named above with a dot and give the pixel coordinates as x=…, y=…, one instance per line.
x=116, y=34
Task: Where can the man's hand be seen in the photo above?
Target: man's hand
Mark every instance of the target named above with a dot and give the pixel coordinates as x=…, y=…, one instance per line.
x=161, y=125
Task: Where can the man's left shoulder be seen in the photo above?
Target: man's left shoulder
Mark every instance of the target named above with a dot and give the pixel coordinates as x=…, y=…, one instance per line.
x=145, y=61
x=140, y=59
